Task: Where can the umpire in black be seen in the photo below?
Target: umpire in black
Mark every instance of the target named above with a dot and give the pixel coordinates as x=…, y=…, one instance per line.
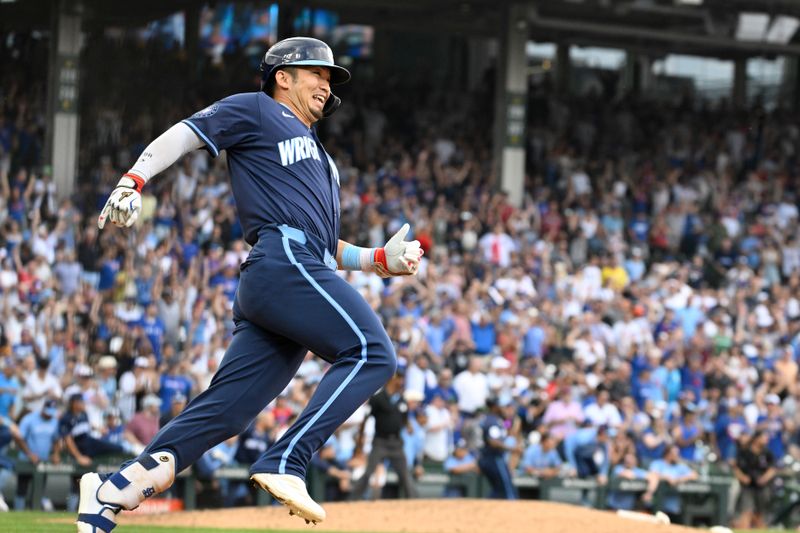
x=391, y=416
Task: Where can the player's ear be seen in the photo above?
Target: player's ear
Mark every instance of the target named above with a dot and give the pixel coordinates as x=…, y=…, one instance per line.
x=283, y=79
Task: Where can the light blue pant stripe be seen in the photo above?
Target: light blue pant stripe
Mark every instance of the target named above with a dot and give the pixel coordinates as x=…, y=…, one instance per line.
x=350, y=376
x=503, y=469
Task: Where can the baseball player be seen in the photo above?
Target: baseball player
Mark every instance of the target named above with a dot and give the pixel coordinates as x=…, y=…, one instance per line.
x=289, y=299
x=492, y=460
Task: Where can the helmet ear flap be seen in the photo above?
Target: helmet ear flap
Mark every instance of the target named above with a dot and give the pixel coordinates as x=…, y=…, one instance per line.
x=331, y=105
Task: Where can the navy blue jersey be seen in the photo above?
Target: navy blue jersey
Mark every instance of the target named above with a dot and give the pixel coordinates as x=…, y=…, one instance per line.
x=280, y=173
x=252, y=444
x=76, y=425
x=495, y=429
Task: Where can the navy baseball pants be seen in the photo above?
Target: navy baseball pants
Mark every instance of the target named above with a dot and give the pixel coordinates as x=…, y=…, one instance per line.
x=495, y=469
x=289, y=301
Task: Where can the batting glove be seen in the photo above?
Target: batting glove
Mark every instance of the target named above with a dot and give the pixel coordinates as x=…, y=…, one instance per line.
x=398, y=257
x=124, y=203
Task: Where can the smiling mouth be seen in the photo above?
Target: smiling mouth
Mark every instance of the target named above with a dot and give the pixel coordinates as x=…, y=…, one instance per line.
x=319, y=98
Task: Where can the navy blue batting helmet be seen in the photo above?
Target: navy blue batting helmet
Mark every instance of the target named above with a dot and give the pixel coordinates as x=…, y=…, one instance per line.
x=302, y=52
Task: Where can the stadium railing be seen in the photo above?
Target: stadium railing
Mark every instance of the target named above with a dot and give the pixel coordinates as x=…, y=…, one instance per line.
x=707, y=498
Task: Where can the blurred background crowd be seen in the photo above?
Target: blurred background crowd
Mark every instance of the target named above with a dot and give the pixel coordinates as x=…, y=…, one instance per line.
x=638, y=315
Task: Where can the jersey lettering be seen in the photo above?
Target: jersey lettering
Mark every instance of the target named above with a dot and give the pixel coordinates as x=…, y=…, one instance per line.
x=297, y=149
x=287, y=154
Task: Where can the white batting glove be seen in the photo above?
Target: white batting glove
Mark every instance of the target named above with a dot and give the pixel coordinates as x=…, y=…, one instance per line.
x=124, y=203
x=397, y=257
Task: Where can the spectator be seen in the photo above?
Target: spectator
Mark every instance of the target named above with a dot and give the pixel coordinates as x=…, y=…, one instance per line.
x=497, y=247
x=134, y=385
x=672, y=471
x=439, y=429
x=563, y=415
x=152, y=325
x=39, y=430
x=40, y=386
x=107, y=376
x=602, y=412
x=419, y=376
x=173, y=382
x=471, y=388
x=94, y=397
x=775, y=425
x=459, y=463
x=687, y=433
x=9, y=388
x=144, y=425
x=178, y=404
x=444, y=387
x=731, y=426
x=588, y=451
x=217, y=457
x=414, y=433
x=627, y=470
x=541, y=459
x=115, y=432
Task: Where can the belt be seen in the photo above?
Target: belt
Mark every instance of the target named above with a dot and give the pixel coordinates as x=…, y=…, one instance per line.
x=299, y=236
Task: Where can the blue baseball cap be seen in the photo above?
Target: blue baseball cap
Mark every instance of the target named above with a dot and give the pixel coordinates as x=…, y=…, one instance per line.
x=50, y=407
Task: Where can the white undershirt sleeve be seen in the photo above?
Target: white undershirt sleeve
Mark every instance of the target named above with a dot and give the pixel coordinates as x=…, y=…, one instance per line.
x=165, y=150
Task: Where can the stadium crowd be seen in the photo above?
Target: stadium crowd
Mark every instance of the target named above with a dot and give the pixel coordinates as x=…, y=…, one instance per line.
x=638, y=315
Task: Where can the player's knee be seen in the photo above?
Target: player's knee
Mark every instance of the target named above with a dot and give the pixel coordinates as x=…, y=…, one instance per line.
x=384, y=357
x=147, y=476
x=237, y=421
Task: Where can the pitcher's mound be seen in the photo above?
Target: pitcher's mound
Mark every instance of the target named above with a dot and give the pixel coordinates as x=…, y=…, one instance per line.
x=420, y=516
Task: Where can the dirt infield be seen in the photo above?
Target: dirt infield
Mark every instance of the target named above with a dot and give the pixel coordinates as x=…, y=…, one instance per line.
x=420, y=516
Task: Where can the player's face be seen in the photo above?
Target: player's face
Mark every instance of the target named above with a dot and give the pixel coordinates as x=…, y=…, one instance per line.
x=311, y=90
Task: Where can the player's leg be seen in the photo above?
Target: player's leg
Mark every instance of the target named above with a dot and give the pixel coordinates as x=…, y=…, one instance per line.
x=397, y=458
x=318, y=309
x=509, y=491
x=488, y=468
x=376, y=456
x=256, y=368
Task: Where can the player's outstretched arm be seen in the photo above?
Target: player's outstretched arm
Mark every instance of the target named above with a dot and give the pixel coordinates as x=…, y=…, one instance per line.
x=125, y=201
x=398, y=257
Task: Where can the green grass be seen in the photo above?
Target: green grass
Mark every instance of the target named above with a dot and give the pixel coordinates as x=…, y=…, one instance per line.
x=32, y=522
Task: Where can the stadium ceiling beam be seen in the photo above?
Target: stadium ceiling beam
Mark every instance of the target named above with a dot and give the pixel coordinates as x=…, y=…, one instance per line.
x=678, y=39
x=653, y=50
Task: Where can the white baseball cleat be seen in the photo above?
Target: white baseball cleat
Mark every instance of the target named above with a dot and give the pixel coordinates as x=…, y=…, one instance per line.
x=291, y=491
x=94, y=516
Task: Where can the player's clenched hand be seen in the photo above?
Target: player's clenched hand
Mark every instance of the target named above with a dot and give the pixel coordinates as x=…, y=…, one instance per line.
x=398, y=257
x=124, y=203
